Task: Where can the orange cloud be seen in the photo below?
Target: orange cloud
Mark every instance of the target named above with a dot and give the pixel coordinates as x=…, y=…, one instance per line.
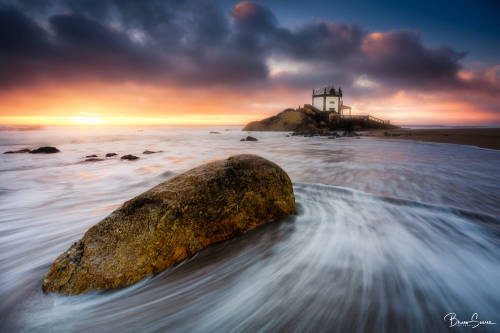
x=466, y=75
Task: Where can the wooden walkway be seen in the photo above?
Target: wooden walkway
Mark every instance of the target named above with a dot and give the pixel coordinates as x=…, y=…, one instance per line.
x=365, y=117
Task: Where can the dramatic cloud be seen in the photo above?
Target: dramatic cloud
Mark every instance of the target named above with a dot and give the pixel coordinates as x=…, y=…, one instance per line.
x=400, y=55
x=196, y=43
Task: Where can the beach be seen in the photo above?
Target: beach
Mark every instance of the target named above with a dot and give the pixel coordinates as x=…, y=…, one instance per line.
x=389, y=235
x=479, y=137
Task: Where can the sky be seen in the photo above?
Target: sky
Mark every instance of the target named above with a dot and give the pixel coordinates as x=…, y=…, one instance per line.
x=229, y=62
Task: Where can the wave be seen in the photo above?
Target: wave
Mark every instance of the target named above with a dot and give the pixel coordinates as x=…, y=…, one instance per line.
x=348, y=261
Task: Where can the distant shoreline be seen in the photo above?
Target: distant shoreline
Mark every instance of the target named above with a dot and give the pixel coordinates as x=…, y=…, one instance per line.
x=480, y=137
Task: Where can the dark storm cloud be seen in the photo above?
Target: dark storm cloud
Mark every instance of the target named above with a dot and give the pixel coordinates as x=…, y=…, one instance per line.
x=73, y=48
x=253, y=18
x=326, y=41
x=400, y=55
x=19, y=35
x=157, y=41
x=24, y=48
x=197, y=43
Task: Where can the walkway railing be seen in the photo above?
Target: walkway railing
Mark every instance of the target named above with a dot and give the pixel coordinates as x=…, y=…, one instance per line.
x=365, y=117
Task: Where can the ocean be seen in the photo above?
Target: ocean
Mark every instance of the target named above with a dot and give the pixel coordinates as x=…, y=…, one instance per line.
x=390, y=235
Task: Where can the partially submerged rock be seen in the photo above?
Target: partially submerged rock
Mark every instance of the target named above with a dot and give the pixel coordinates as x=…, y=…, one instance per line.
x=249, y=138
x=148, y=152
x=45, y=150
x=129, y=157
x=172, y=221
x=20, y=151
x=311, y=133
x=110, y=154
x=214, y=132
x=351, y=134
x=91, y=156
x=94, y=159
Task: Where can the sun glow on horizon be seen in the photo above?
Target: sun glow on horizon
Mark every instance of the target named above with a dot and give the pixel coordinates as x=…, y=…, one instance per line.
x=194, y=119
x=130, y=105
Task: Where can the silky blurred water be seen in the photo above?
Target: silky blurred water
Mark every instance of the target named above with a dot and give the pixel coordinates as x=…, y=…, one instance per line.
x=389, y=236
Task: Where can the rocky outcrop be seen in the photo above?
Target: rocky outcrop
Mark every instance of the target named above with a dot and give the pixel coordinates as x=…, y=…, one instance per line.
x=41, y=150
x=20, y=151
x=310, y=120
x=129, y=157
x=93, y=159
x=172, y=221
x=249, y=138
x=298, y=120
x=45, y=150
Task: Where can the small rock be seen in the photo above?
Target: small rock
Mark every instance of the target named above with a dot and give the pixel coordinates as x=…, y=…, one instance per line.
x=251, y=138
x=93, y=159
x=90, y=156
x=45, y=150
x=110, y=154
x=350, y=134
x=20, y=151
x=243, y=139
x=147, y=152
x=129, y=157
x=214, y=132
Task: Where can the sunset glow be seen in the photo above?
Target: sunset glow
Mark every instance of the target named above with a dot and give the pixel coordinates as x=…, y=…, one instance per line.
x=58, y=107
x=125, y=76
x=104, y=105
x=117, y=120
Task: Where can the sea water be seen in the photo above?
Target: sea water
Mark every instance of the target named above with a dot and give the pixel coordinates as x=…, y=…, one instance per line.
x=390, y=235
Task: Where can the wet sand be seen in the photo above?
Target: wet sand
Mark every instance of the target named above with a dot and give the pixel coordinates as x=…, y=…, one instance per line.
x=480, y=137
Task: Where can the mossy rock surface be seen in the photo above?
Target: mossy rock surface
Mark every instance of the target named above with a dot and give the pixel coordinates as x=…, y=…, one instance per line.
x=309, y=119
x=288, y=120
x=174, y=220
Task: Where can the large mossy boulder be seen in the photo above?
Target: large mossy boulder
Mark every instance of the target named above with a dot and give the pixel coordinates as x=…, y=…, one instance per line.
x=172, y=221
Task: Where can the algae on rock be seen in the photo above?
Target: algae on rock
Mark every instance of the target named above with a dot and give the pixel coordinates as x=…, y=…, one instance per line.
x=172, y=221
